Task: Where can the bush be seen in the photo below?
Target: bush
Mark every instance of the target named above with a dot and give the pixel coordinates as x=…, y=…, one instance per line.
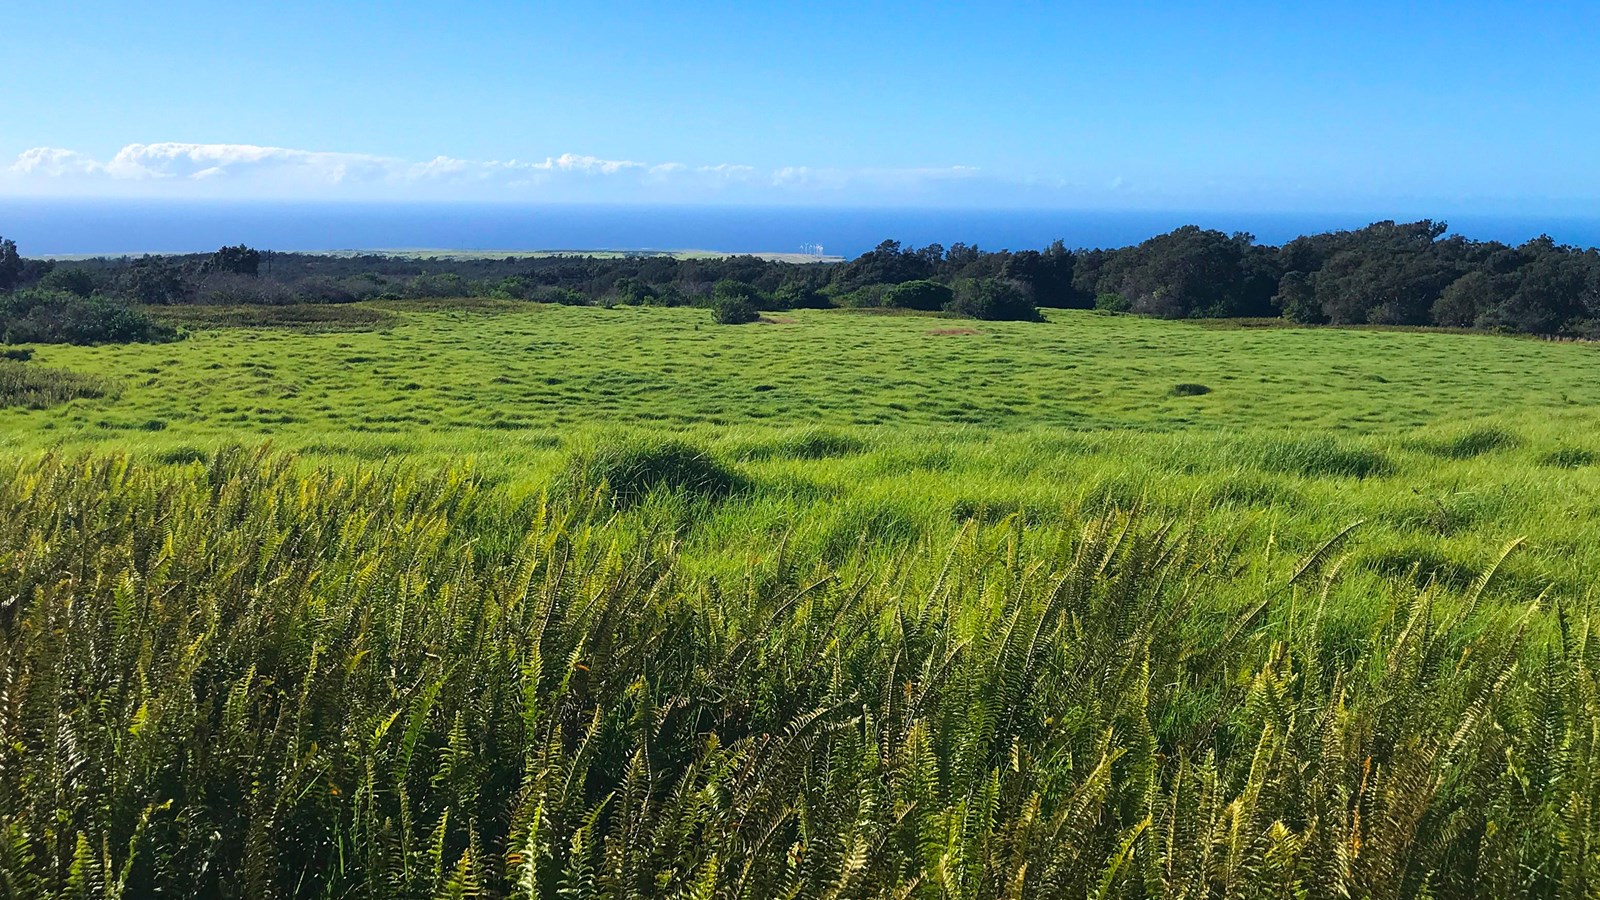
x=54, y=317
x=929, y=296
x=733, y=311
x=867, y=297
x=799, y=296
x=728, y=290
x=1112, y=303
x=992, y=299
x=17, y=354
x=1189, y=389
x=626, y=471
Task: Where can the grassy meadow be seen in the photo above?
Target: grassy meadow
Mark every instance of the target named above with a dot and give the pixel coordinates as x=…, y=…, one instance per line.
x=463, y=598
x=1445, y=446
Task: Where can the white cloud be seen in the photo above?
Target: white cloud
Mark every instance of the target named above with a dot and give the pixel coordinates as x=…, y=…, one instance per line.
x=201, y=161
x=572, y=162
x=243, y=171
x=50, y=162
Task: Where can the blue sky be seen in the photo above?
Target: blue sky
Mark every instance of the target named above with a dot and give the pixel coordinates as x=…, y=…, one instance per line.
x=1464, y=106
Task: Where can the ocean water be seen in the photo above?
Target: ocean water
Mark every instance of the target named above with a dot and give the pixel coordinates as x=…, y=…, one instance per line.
x=63, y=227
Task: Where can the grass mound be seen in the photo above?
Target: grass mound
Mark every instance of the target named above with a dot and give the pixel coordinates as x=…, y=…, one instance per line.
x=1471, y=443
x=627, y=470
x=1569, y=458
x=37, y=387
x=1322, y=456
x=182, y=456
x=812, y=443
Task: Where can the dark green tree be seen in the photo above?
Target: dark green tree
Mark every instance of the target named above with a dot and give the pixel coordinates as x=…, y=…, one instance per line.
x=239, y=260
x=993, y=299
x=1467, y=298
x=153, y=281
x=71, y=279
x=1297, y=299
x=10, y=265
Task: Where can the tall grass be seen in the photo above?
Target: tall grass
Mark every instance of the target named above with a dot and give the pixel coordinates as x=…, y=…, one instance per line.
x=240, y=677
x=36, y=387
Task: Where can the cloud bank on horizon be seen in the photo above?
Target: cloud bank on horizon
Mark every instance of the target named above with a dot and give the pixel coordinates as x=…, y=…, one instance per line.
x=247, y=171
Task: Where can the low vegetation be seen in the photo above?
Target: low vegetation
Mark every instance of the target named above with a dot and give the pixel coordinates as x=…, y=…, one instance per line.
x=57, y=317
x=548, y=600
x=243, y=677
x=36, y=387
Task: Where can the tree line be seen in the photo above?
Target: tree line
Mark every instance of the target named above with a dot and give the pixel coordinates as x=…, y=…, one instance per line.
x=1388, y=273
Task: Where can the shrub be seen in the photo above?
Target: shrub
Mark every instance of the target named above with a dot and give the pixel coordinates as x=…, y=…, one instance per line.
x=799, y=296
x=733, y=311
x=867, y=297
x=929, y=296
x=1189, y=389
x=992, y=299
x=627, y=470
x=17, y=354
x=729, y=290
x=54, y=317
x=1112, y=302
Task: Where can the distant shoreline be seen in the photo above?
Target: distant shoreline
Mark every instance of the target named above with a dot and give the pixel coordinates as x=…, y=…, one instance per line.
x=416, y=253
x=111, y=228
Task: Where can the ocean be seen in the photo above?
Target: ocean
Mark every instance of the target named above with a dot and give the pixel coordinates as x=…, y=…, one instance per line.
x=118, y=227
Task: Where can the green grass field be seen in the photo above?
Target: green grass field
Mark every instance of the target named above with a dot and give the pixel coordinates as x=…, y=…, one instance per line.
x=1447, y=446
x=525, y=600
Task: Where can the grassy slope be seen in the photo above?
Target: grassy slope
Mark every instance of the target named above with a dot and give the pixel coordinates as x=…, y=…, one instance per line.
x=922, y=427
